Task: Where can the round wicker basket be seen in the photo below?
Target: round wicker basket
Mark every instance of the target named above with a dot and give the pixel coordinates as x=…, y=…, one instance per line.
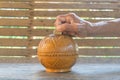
x=57, y=53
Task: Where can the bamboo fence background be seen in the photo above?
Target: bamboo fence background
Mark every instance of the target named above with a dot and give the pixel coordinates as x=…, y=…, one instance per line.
x=23, y=23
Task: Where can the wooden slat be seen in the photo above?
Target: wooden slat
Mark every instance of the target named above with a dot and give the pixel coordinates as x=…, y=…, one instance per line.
x=41, y=32
x=14, y=22
x=76, y=6
x=13, y=52
x=13, y=32
x=14, y=5
x=33, y=52
x=94, y=52
x=43, y=22
x=14, y=13
x=37, y=22
x=99, y=52
x=15, y=0
x=35, y=42
x=18, y=60
x=62, y=0
x=80, y=0
x=90, y=42
x=50, y=22
x=13, y=42
x=79, y=13
x=98, y=42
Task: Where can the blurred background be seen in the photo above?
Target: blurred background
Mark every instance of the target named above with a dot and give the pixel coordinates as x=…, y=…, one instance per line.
x=23, y=23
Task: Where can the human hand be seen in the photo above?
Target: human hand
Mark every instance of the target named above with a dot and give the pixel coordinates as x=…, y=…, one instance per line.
x=72, y=24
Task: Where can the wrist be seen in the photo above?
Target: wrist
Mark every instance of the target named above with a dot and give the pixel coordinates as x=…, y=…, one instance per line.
x=89, y=28
x=97, y=28
x=84, y=29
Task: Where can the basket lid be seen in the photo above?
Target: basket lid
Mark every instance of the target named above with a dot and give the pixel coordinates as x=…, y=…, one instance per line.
x=57, y=43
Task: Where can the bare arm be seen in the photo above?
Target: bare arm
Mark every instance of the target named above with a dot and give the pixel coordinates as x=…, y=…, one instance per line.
x=74, y=25
x=105, y=28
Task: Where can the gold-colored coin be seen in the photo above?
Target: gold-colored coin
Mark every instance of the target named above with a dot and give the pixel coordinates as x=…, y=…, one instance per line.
x=57, y=32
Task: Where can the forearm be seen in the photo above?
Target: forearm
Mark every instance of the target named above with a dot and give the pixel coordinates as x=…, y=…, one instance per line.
x=105, y=28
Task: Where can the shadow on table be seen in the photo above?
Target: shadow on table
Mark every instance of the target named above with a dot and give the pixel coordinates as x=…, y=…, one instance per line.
x=43, y=75
x=91, y=72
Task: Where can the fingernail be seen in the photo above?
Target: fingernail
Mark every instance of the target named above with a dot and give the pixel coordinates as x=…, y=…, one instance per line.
x=62, y=19
x=57, y=32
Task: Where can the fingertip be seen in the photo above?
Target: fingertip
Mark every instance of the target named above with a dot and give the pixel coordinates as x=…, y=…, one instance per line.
x=57, y=22
x=62, y=27
x=61, y=18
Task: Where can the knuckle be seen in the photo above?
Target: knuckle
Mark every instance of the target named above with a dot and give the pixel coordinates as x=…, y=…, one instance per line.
x=71, y=14
x=58, y=16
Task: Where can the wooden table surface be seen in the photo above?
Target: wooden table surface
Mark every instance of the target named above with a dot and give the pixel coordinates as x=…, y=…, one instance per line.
x=83, y=70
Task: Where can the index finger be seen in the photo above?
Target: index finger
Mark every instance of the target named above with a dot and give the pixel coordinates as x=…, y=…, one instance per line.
x=60, y=20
